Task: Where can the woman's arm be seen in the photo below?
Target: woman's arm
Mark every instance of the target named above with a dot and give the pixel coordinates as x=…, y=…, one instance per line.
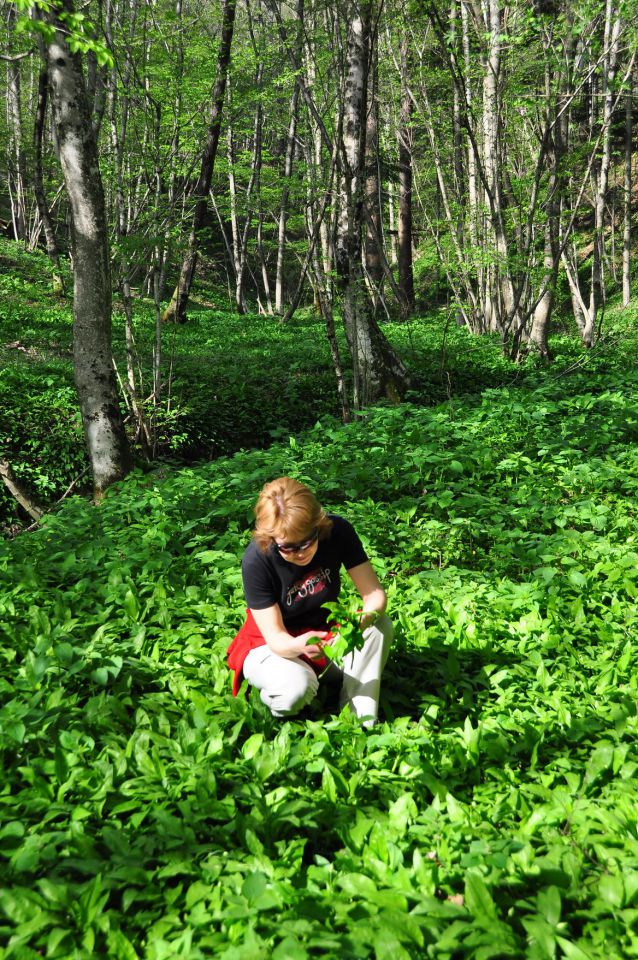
x=271, y=626
x=372, y=593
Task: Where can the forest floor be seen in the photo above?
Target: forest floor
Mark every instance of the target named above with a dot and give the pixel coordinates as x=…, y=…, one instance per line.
x=146, y=813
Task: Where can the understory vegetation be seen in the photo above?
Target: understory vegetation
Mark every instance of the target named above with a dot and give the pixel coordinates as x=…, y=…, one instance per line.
x=145, y=813
x=228, y=381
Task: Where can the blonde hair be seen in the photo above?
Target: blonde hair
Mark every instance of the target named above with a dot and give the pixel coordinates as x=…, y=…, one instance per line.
x=287, y=510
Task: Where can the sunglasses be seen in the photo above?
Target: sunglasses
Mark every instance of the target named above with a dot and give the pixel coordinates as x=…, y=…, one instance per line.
x=297, y=547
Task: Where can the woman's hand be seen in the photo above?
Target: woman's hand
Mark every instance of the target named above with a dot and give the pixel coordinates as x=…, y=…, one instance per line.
x=368, y=618
x=312, y=650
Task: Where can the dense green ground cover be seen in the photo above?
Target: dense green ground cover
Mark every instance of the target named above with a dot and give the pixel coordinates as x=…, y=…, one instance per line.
x=145, y=813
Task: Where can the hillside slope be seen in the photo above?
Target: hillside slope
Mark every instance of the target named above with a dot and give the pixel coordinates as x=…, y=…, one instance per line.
x=146, y=813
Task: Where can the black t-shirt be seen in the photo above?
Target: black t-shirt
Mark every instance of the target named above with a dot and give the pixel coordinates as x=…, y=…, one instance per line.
x=301, y=590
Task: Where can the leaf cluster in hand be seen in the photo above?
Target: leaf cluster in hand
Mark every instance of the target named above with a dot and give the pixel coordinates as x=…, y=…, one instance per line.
x=345, y=623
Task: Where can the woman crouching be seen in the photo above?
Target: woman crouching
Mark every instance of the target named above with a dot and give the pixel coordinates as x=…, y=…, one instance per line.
x=290, y=569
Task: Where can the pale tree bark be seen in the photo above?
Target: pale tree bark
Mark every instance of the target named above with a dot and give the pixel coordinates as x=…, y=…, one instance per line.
x=500, y=300
x=374, y=223
x=539, y=332
x=404, y=233
x=288, y=166
x=472, y=177
x=552, y=150
x=178, y=61
x=176, y=310
x=106, y=440
x=569, y=254
x=257, y=165
x=259, y=45
x=315, y=166
x=377, y=370
x=601, y=78
x=597, y=290
x=457, y=133
x=285, y=192
x=320, y=279
x=626, y=248
x=38, y=176
x=16, y=179
x=392, y=225
x=317, y=261
x=458, y=276
x=238, y=268
x=252, y=190
x=118, y=115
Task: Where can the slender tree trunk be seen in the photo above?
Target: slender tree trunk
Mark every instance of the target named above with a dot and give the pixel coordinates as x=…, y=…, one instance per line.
x=377, y=369
x=178, y=60
x=459, y=183
x=473, y=213
x=404, y=246
x=103, y=427
x=538, y=336
x=539, y=332
x=17, y=169
x=96, y=90
x=38, y=178
x=459, y=278
x=374, y=224
x=257, y=165
x=285, y=190
x=626, y=249
x=252, y=188
x=234, y=224
x=392, y=226
x=176, y=310
x=597, y=290
x=288, y=162
x=490, y=158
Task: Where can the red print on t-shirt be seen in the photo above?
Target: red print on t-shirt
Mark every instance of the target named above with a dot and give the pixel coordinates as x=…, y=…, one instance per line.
x=313, y=582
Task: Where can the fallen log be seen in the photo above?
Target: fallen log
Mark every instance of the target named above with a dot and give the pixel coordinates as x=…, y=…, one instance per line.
x=18, y=490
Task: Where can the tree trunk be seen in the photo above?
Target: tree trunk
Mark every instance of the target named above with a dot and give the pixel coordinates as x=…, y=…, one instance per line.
x=176, y=310
x=377, y=369
x=252, y=188
x=626, y=248
x=539, y=333
x=93, y=360
x=459, y=184
x=16, y=174
x=283, y=211
x=38, y=178
x=257, y=165
x=404, y=247
x=238, y=266
x=597, y=290
x=178, y=67
x=374, y=229
x=392, y=227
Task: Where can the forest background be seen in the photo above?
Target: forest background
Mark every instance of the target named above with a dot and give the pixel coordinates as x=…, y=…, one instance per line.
x=387, y=249
x=264, y=149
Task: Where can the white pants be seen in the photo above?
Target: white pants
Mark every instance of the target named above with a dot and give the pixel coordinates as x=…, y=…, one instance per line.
x=286, y=686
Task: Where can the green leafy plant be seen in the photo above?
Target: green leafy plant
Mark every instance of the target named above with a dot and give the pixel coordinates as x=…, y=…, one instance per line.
x=345, y=623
